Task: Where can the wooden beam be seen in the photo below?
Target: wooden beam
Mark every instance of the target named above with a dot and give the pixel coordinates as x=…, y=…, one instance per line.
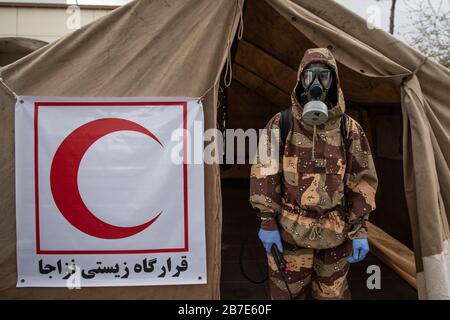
x=260, y=86
x=270, y=31
x=266, y=67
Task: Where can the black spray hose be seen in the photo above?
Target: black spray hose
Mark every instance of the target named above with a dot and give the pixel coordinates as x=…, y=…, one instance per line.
x=279, y=260
x=241, y=265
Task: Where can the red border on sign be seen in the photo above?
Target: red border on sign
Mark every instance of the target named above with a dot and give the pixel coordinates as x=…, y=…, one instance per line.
x=110, y=104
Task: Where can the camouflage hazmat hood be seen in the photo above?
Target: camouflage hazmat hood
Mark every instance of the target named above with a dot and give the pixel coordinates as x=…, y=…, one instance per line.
x=320, y=55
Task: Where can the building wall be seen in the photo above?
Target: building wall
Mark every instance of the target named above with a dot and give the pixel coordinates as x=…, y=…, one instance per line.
x=42, y=23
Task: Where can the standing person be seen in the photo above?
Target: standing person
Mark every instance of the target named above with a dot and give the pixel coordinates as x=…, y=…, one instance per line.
x=315, y=200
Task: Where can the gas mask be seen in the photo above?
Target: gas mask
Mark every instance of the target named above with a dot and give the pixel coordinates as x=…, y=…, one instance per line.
x=316, y=81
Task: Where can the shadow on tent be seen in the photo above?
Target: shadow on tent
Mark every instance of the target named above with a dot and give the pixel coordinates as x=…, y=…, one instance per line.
x=265, y=63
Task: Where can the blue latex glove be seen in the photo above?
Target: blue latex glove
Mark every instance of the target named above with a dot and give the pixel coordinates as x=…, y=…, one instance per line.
x=360, y=250
x=269, y=237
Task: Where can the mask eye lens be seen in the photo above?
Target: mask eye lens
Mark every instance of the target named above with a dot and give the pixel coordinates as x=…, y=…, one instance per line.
x=307, y=78
x=325, y=78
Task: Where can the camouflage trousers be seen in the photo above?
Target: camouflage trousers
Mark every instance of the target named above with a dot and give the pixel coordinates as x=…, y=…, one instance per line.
x=323, y=272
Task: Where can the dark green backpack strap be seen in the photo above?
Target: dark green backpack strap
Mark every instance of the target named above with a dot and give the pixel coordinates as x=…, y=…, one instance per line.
x=346, y=141
x=285, y=124
x=344, y=130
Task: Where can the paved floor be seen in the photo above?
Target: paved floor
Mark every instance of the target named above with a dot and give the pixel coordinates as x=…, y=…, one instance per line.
x=240, y=225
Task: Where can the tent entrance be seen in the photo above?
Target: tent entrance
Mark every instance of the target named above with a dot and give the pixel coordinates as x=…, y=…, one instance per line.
x=246, y=109
x=265, y=66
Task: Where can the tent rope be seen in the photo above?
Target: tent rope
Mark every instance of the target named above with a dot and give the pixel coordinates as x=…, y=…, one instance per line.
x=241, y=21
x=228, y=77
x=8, y=88
x=413, y=73
x=205, y=93
x=419, y=66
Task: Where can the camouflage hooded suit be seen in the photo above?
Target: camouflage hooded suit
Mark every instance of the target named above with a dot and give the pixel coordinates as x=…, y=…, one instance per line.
x=303, y=196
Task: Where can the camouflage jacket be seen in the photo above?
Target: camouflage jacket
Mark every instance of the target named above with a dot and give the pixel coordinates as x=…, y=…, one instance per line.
x=302, y=194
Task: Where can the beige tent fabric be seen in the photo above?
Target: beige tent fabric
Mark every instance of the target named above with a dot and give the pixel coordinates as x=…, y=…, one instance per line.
x=146, y=48
x=425, y=89
x=392, y=252
x=424, y=194
x=174, y=47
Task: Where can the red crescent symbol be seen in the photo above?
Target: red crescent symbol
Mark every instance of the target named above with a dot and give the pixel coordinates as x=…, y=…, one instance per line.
x=64, y=178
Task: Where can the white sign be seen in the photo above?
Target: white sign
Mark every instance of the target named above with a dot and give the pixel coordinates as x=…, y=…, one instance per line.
x=100, y=199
